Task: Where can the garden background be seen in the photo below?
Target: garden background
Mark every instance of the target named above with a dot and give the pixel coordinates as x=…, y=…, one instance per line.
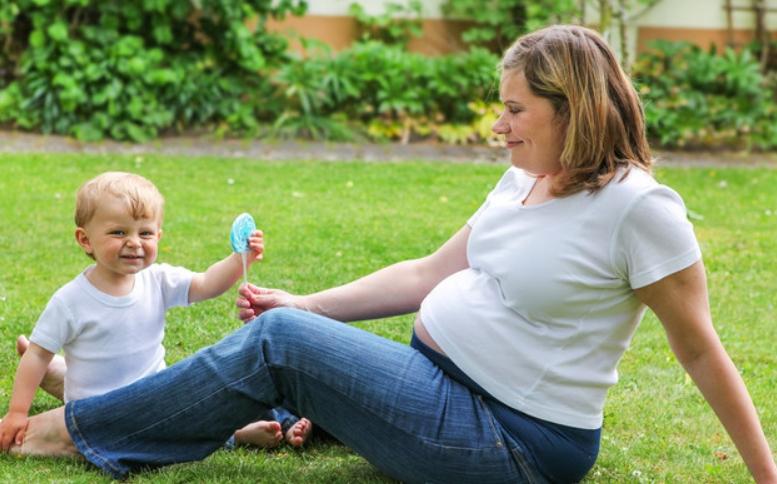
x=227, y=114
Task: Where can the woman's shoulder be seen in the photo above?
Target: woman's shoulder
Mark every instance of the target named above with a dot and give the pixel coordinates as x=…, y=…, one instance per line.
x=636, y=190
x=633, y=179
x=632, y=183
x=642, y=199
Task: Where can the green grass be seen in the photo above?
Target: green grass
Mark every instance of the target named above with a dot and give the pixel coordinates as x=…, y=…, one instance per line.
x=327, y=223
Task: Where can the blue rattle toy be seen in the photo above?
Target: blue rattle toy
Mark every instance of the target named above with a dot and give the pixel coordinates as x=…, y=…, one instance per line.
x=242, y=228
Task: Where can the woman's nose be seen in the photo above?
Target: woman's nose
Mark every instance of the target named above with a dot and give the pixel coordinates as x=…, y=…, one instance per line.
x=499, y=126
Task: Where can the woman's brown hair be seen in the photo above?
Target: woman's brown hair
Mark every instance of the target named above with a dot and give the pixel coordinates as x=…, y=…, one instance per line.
x=575, y=69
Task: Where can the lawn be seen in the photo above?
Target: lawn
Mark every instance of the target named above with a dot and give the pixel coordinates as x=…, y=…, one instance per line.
x=327, y=223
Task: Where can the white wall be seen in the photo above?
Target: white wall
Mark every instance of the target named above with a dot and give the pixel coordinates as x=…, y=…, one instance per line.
x=686, y=14
x=683, y=14
x=703, y=14
x=431, y=8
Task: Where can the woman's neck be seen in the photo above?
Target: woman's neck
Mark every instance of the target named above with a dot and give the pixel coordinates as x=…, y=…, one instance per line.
x=540, y=191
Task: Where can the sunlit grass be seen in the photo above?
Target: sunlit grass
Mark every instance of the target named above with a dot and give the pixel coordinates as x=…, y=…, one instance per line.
x=327, y=223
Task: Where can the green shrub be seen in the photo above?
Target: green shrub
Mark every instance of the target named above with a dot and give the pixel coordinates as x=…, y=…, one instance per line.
x=397, y=25
x=695, y=98
x=374, y=81
x=393, y=83
x=497, y=23
x=129, y=69
x=312, y=88
x=133, y=70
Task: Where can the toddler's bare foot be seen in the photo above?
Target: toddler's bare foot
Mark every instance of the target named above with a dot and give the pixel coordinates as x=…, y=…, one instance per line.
x=298, y=434
x=47, y=436
x=54, y=380
x=263, y=434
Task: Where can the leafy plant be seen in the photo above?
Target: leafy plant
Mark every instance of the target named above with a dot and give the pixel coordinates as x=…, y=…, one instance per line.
x=397, y=25
x=312, y=93
x=695, y=98
x=132, y=69
x=497, y=23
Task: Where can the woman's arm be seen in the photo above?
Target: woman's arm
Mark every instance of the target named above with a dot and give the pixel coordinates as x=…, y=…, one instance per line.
x=396, y=289
x=681, y=303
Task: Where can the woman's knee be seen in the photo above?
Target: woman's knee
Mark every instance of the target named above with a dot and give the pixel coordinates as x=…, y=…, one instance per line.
x=286, y=330
x=281, y=324
x=280, y=317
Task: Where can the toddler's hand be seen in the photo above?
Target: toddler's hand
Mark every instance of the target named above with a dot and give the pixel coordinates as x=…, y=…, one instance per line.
x=256, y=246
x=12, y=429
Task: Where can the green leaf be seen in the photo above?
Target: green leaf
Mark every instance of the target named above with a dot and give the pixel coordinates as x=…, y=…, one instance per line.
x=136, y=108
x=37, y=39
x=162, y=76
x=58, y=31
x=136, y=66
x=138, y=134
x=87, y=132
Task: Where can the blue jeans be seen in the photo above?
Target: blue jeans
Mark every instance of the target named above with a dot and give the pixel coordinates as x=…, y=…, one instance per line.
x=383, y=399
x=563, y=454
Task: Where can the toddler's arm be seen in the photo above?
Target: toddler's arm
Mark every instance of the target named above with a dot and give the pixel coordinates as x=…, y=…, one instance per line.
x=223, y=274
x=32, y=368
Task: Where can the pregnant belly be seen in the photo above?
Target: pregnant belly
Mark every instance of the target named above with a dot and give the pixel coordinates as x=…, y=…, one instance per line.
x=424, y=336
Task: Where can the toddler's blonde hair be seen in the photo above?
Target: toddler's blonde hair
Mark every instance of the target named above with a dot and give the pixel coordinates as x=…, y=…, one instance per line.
x=141, y=197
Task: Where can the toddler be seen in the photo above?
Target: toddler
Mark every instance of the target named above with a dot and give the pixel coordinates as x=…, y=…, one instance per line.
x=109, y=320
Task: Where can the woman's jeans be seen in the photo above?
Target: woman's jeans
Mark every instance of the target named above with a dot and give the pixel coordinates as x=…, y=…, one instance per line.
x=383, y=399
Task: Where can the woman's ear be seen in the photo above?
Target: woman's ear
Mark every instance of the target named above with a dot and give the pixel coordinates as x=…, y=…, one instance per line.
x=83, y=240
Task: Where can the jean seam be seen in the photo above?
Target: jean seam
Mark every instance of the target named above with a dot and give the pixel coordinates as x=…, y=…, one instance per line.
x=491, y=421
x=88, y=448
x=169, y=417
x=515, y=452
x=520, y=459
x=379, y=416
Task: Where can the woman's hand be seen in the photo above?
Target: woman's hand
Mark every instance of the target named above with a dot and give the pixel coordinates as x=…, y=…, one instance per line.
x=253, y=301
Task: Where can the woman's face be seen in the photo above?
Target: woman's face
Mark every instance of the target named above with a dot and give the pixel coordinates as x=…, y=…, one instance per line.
x=534, y=135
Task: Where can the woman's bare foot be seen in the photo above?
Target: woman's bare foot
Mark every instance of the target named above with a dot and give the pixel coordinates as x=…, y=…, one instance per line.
x=47, y=436
x=298, y=434
x=264, y=434
x=54, y=381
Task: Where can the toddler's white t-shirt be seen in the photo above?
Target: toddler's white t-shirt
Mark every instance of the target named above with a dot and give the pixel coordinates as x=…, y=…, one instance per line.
x=109, y=341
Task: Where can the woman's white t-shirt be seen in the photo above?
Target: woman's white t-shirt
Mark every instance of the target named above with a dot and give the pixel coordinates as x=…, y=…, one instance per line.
x=109, y=341
x=546, y=308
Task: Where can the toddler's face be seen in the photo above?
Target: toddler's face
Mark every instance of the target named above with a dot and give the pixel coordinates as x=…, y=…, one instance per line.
x=119, y=243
